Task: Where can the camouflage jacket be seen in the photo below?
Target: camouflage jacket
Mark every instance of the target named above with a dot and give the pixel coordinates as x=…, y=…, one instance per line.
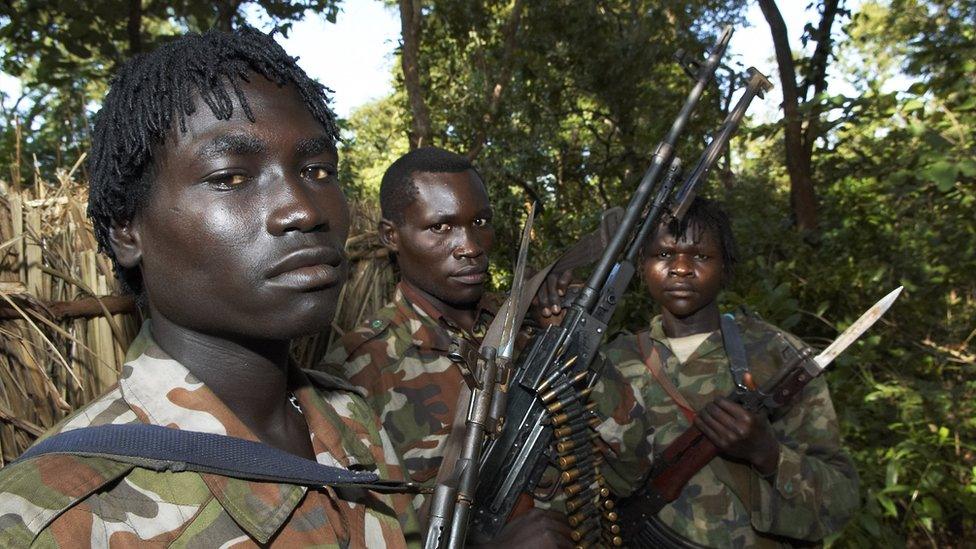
x=815, y=488
x=62, y=500
x=398, y=358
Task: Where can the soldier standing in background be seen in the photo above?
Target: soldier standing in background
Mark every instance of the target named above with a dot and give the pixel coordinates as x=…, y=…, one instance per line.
x=214, y=192
x=779, y=481
x=437, y=221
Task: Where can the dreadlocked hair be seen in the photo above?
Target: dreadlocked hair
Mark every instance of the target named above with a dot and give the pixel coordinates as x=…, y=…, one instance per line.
x=151, y=90
x=707, y=216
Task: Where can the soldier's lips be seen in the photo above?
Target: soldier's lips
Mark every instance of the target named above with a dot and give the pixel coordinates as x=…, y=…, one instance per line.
x=308, y=278
x=679, y=292
x=471, y=278
x=308, y=269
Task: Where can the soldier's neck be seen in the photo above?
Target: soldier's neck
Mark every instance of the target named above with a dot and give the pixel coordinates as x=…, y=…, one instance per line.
x=463, y=315
x=702, y=321
x=249, y=376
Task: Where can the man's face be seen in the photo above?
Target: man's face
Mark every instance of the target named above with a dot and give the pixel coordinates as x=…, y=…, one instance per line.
x=244, y=231
x=442, y=244
x=683, y=275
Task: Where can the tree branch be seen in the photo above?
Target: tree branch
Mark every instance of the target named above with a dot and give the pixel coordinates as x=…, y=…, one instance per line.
x=410, y=31
x=510, y=41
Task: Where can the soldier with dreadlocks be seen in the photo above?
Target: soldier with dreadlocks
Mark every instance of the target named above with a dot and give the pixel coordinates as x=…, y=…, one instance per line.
x=214, y=193
x=779, y=481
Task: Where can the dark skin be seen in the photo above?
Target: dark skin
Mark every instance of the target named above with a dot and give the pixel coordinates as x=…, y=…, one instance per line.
x=685, y=275
x=442, y=244
x=240, y=250
x=442, y=248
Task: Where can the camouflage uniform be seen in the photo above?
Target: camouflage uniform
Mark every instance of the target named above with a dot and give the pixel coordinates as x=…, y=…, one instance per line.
x=814, y=490
x=398, y=358
x=63, y=500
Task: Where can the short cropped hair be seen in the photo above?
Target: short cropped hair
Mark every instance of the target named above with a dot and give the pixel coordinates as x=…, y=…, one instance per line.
x=152, y=91
x=397, y=190
x=707, y=216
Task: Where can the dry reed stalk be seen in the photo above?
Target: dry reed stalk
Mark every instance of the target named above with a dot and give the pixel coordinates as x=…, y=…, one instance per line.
x=51, y=365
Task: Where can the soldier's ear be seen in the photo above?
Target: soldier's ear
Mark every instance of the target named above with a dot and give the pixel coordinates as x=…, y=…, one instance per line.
x=126, y=241
x=389, y=237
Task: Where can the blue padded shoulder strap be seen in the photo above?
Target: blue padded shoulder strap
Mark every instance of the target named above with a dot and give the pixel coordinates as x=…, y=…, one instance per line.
x=164, y=449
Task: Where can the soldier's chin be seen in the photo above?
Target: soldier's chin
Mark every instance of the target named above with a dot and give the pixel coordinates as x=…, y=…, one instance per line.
x=467, y=296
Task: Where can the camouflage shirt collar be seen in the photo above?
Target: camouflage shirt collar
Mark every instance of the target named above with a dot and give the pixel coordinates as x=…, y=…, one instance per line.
x=710, y=345
x=161, y=391
x=412, y=304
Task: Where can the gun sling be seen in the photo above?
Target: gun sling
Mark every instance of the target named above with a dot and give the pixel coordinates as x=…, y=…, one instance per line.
x=165, y=449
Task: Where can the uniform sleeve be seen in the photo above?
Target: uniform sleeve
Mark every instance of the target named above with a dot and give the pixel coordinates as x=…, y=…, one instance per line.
x=814, y=491
x=358, y=417
x=625, y=433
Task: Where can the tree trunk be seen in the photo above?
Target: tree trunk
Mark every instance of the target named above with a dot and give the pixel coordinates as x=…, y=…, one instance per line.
x=504, y=76
x=410, y=20
x=134, y=27
x=803, y=198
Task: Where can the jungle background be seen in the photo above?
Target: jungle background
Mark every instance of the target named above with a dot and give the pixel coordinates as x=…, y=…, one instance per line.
x=844, y=196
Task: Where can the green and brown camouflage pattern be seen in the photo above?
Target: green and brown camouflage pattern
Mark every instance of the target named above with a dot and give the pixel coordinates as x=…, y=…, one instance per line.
x=398, y=359
x=72, y=501
x=815, y=489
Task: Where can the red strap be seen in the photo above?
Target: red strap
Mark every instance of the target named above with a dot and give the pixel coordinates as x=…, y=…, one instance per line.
x=654, y=365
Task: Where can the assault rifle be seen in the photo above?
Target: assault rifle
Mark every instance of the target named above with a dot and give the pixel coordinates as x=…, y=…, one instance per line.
x=542, y=396
x=692, y=451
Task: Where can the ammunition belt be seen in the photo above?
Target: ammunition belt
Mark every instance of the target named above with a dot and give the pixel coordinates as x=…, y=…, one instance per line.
x=589, y=506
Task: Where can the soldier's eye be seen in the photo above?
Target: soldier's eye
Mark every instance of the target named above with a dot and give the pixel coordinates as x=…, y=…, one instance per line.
x=440, y=228
x=702, y=257
x=481, y=222
x=664, y=254
x=226, y=180
x=318, y=173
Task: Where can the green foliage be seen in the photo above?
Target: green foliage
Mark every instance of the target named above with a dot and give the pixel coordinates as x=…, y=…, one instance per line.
x=63, y=53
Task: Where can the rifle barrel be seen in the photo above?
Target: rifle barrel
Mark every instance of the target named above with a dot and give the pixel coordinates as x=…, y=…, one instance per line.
x=587, y=298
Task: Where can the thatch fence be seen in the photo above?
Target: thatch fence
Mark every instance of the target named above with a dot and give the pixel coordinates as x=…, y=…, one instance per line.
x=64, y=329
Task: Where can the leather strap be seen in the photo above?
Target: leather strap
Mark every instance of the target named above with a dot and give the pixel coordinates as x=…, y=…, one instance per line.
x=654, y=365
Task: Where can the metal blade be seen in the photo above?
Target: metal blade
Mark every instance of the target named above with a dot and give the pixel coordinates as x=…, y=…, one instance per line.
x=854, y=331
x=507, y=345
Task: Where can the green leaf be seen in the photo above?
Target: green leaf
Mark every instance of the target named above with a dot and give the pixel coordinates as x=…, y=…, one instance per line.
x=942, y=173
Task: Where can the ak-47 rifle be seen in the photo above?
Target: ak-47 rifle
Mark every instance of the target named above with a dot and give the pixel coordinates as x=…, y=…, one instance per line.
x=450, y=507
x=692, y=451
x=543, y=399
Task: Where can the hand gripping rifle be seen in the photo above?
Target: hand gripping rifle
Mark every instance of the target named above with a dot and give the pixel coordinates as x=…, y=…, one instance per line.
x=450, y=507
x=542, y=400
x=692, y=451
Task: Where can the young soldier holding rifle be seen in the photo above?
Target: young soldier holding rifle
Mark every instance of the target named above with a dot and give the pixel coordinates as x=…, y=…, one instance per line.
x=779, y=481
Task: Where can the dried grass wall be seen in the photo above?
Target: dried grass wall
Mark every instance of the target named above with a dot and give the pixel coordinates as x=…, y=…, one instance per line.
x=60, y=347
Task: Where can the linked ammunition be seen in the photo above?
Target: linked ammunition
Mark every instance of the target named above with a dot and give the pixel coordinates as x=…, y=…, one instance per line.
x=590, y=538
x=575, y=473
x=552, y=377
x=577, y=424
x=579, y=533
x=572, y=397
x=573, y=504
x=559, y=419
x=612, y=540
x=580, y=516
x=563, y=387
x=611, y=516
